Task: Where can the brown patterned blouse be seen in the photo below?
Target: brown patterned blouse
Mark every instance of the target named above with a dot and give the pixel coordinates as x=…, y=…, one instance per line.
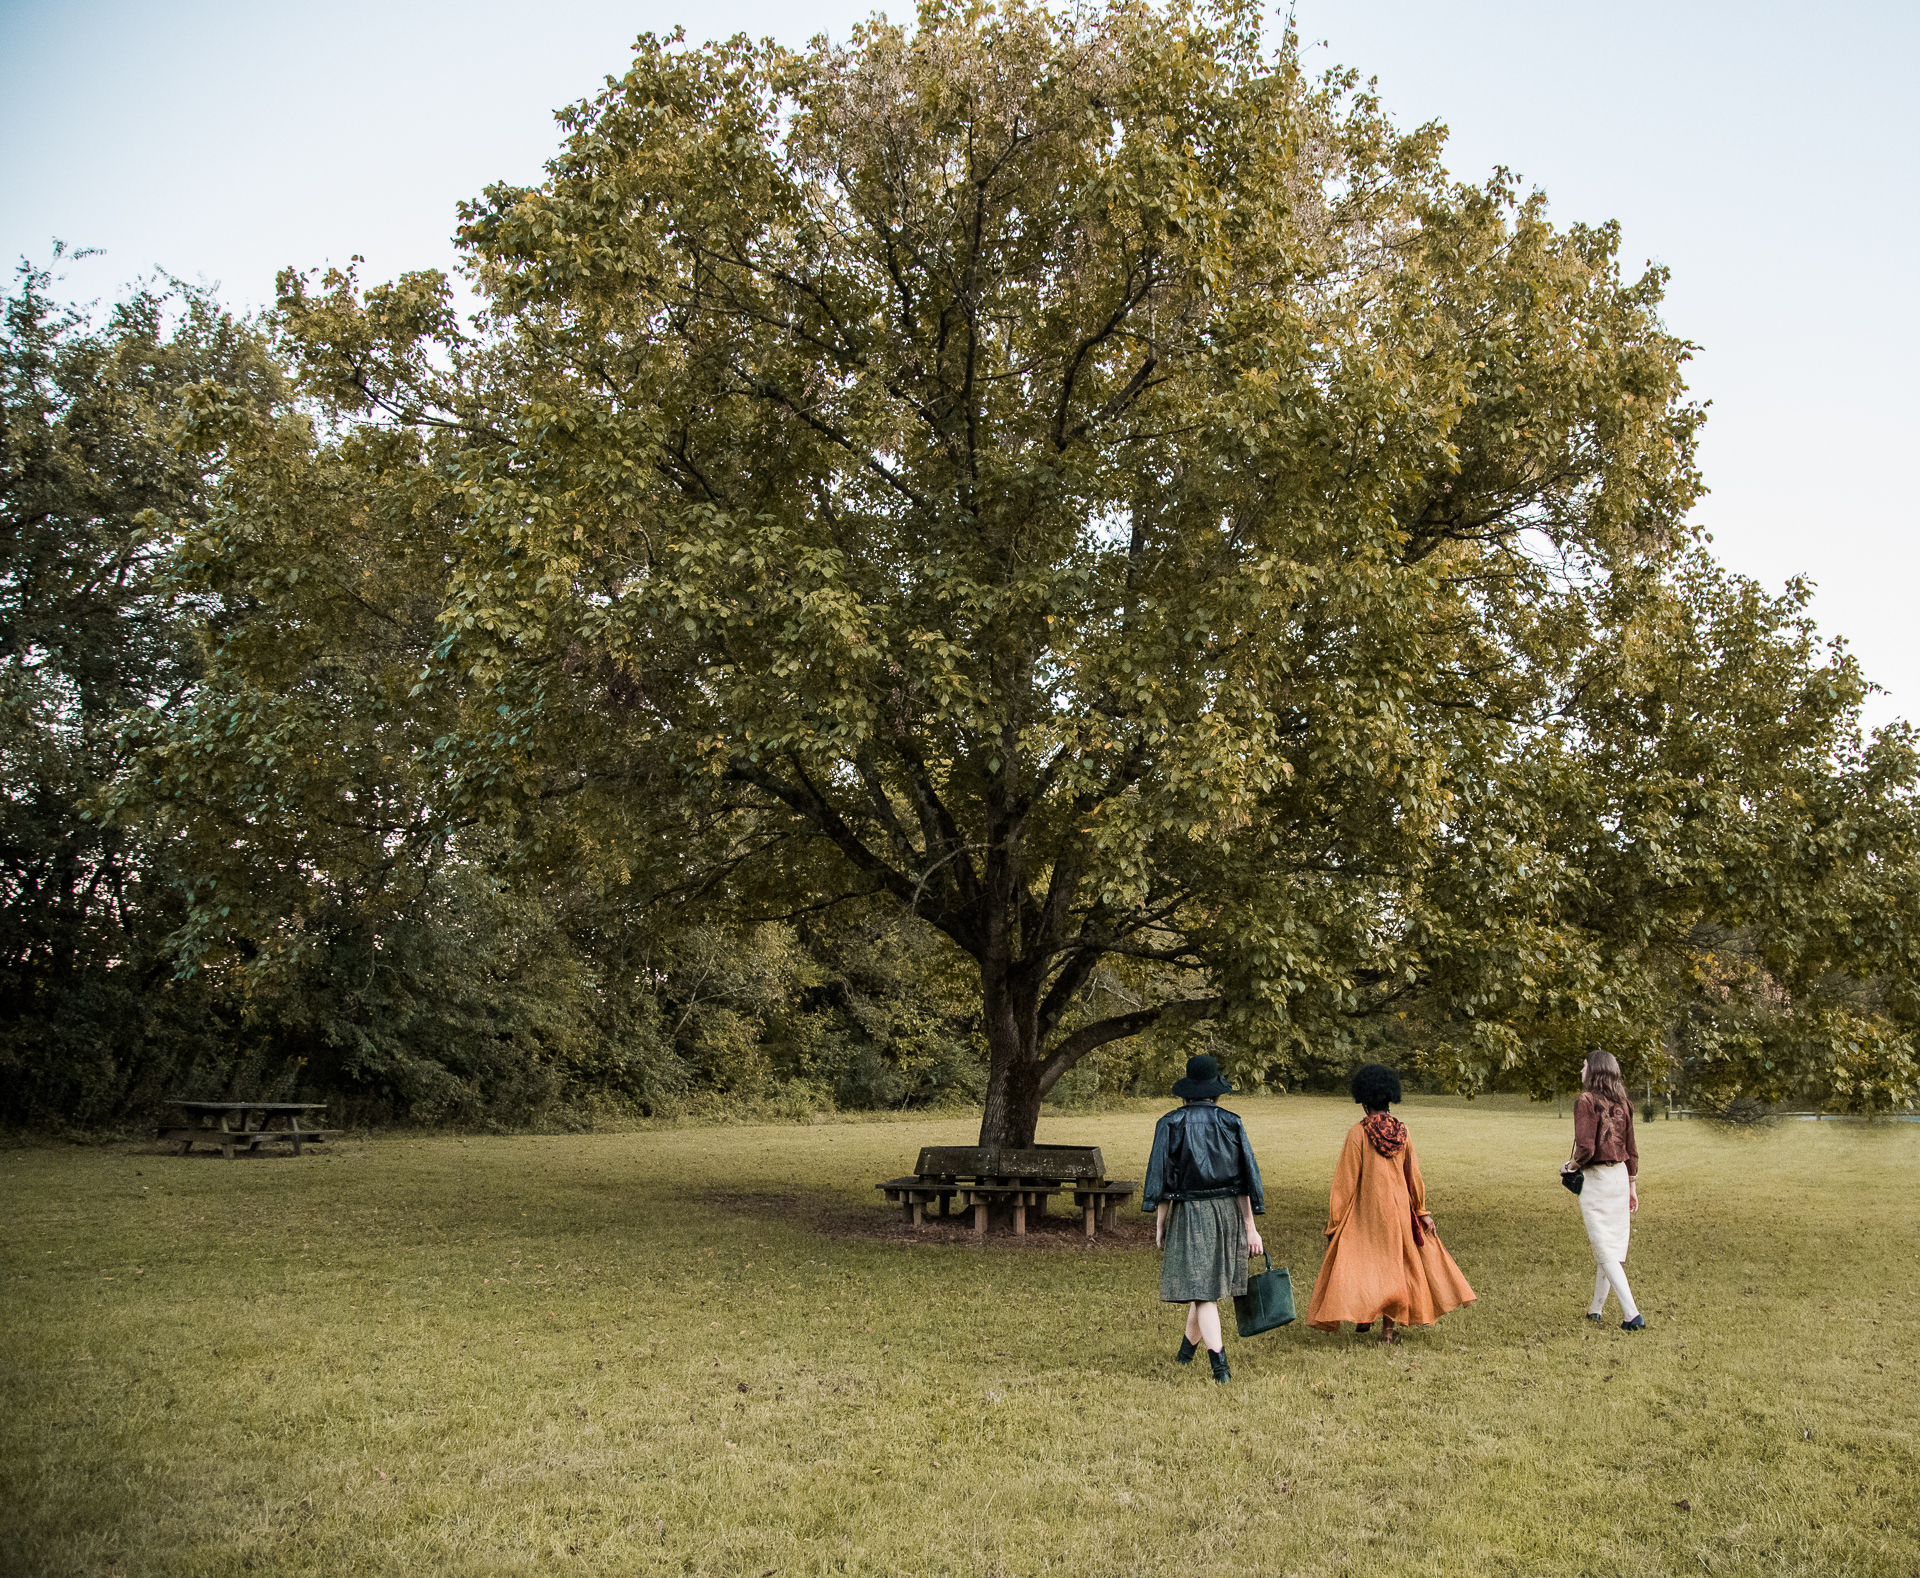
x=1603, y=1132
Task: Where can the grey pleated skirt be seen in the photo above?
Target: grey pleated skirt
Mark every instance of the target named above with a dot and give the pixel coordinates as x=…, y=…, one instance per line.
x=1206, y=1253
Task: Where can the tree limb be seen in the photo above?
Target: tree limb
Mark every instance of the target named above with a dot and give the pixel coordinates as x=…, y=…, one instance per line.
x=1118, y=1028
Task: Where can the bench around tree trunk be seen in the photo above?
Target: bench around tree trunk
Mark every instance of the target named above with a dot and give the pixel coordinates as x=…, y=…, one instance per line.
x=1099, y=1202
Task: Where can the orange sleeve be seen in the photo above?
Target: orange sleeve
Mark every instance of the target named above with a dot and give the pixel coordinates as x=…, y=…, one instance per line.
x=1346, y=1180
x=1416, y=1185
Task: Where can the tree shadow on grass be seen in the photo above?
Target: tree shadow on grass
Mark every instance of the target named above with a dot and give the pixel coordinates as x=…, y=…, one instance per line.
x=835, y=1217
x=208, y=1150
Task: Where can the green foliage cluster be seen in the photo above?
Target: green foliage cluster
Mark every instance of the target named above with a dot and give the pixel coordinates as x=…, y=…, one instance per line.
x=92, y=496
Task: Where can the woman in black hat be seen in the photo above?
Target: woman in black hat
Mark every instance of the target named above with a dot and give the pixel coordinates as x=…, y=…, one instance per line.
x=1203, y=1187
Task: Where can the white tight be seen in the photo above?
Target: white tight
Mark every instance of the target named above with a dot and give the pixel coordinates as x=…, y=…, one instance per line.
x=1611, y=1274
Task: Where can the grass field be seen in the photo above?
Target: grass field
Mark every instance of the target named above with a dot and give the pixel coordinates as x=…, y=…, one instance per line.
x=712, y=1351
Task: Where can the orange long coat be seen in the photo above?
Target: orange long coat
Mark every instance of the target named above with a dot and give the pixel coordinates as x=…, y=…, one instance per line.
x=1373, y=1267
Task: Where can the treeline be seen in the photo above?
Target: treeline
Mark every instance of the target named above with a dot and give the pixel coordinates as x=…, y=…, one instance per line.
x=236, y=860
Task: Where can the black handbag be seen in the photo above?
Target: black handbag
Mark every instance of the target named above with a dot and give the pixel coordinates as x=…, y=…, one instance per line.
x=1571, y=1175
x=1267, y=1303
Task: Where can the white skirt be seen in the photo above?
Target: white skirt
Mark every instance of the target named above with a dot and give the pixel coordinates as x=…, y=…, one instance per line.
x=1603, y=1207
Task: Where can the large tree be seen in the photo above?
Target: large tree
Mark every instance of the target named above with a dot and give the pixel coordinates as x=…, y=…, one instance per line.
x=1122, y=500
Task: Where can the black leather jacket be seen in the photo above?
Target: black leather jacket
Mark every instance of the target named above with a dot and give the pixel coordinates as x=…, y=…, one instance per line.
x=1200, y=1152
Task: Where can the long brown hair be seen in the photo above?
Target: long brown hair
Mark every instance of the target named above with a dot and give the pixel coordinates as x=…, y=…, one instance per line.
x=1604, y=1079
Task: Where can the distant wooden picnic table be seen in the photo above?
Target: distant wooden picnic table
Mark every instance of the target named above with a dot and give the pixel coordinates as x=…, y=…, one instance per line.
x=981, y=1178
x=245, y=1125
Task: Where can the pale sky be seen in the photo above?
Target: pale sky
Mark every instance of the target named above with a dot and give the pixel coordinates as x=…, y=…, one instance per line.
x=1770, y=155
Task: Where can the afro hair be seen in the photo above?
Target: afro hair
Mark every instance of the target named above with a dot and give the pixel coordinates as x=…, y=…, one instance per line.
x=1375, y=1087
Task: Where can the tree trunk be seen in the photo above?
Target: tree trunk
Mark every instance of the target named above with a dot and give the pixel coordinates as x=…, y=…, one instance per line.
x=1013, y=1074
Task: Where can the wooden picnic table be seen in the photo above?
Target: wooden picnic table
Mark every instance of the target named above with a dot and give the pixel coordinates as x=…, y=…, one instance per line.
x=246, y=1125
x=980, y=1179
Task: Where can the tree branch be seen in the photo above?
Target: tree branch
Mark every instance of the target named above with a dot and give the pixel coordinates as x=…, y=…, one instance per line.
x=810, y=804
x=1118, y=1028
x=936, y=821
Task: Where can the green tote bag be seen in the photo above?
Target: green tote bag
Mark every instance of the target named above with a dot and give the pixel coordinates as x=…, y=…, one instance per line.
x=1267, y=1303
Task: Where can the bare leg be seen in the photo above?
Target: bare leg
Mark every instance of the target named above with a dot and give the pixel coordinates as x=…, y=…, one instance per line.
x=1207, y=1318
x=1193, y=1324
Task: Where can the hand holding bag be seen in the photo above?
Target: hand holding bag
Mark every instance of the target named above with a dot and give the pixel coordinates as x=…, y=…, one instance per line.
x=1571, y=1175
x=1267, y=1303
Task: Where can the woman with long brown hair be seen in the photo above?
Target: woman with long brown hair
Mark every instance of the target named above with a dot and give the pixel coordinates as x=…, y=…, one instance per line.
x=1609, y=1164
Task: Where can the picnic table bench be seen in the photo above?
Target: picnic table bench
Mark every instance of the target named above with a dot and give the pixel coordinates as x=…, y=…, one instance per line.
x=258, y=1123
x=984, y=1178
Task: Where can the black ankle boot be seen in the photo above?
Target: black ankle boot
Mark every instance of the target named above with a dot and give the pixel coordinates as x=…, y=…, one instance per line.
x=1218, y=1359
x=1186, y=1353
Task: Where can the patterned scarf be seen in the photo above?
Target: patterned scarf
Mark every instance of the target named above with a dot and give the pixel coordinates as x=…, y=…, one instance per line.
x=1386, y=1132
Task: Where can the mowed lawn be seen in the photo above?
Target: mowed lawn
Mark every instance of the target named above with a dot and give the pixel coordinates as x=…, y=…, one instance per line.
x=713, y=1351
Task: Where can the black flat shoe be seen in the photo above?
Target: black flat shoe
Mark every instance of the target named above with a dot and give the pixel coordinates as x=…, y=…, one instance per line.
x=1596, y=1319
x=1219, y=1363
x=1186, y=1353
x=1638, y=1323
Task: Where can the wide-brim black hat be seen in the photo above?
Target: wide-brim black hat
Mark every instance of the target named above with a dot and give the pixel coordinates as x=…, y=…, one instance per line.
x=1203, y=1079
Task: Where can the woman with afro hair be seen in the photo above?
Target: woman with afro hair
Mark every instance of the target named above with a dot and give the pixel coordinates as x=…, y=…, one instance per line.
x=1384, y=1261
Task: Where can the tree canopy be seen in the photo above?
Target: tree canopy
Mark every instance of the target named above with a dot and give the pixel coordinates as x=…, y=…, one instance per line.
x=1082, y=482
